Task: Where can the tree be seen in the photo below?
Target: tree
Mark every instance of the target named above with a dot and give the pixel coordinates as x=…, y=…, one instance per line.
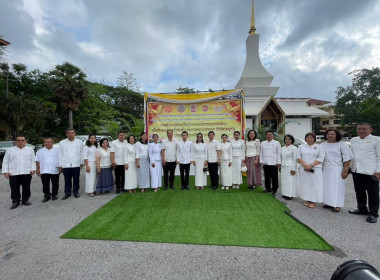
x=128, y=81
x=184, y=90
x=70, y=86
x=359, y=102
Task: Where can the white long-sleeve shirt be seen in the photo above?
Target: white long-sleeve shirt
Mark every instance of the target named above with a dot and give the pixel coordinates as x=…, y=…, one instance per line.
x=49, y=160
x=226, y=152
x=18, y=161
x=200, y=151
x=141, y=150
x=237, y=148
x=289, y=157
x=129, y=153
x=366, y=153
x=154, y=152
x=252, y=148
x=270, y=153
x=89, y=153
x=185, y=152
x=70, y=153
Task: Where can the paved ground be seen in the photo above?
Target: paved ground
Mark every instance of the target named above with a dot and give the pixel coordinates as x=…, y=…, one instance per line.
x=31, y=247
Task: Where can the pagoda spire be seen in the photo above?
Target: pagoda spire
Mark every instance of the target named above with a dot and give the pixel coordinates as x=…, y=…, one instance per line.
x=252, y=30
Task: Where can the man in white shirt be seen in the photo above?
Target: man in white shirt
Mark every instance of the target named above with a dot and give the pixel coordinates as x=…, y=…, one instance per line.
x=185, y=157
x=71, y=162
x=19, y=167
x=169, y=159
x=365, y=168
x=117, y=159
x=213, y=159
x=47, y=161
x=270, y=159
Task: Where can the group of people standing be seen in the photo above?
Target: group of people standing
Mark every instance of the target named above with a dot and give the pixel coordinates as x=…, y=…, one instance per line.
x=315, y=172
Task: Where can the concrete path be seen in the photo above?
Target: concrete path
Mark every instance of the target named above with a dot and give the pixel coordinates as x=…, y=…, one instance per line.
x=31, y=247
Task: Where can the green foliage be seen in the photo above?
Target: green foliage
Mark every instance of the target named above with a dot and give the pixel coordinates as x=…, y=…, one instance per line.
x=185, y=90
x=359, y=102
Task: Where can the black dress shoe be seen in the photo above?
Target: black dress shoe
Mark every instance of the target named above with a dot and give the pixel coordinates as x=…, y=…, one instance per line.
x=15, y=205
x=65, y=197
x=187, y=188
x=267, y=191
x=358, y=212
x=172, y=187
x=46, y=199
x=165, y=188
x=117, y=191
x=328, y=206
x=54, y=197
x=274, y=193
x=182, y=188
x=371, y=219
x=250, y=187
x=26, y=203
x=76, y=195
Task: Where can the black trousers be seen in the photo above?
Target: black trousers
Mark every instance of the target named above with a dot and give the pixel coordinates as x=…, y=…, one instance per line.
x=46, y=178
x=169, y=171
x=367, y=184
x=213, y=171
x=15, y=182
x=184, y=169
x=71, y=176
x=271, y=177
x=119, y=177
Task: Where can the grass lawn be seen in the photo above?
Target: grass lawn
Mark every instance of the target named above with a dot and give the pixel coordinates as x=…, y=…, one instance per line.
x=221, y=217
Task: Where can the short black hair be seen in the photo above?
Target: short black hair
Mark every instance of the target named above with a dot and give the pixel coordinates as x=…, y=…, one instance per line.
x=269, y=131
x=167, y=131
x=102, y=140
x=290, y=137
x=88, y=140
x=185, y=132
x=121, y=132
x=312, y=135
x=223, y=135
x=129, y=137
x=211, y=132
x=154, y=135
x=364, y=123
x=68, y=129
x=238, y=132
x=338, y=135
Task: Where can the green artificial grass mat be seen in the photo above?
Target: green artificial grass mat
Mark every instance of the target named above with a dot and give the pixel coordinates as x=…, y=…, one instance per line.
x=222, y=217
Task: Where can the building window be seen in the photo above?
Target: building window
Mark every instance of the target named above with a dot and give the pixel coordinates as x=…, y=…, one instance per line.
x=336, y=121
x=325, y=122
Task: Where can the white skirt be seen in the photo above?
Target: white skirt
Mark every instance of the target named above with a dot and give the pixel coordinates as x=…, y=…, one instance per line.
x=225, y=174
x=289, y=183
x=311, y=185
x=143, y=178
x=90, y=185
x=200, y=175
x=334, y=187
x=236, y=171
x=156, y=175
x=130, y=182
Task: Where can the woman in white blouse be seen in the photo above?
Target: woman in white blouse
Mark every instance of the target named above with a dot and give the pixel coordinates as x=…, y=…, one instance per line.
x=252, y=154
x=105, y=181
x=289, y=173
x=155, y=164
x=225, y=163
x=335, y=170
x=311, y=156
x=142, y=163
x=89, y=158
x=200, y=162
x=238, y=159
x=130, y=183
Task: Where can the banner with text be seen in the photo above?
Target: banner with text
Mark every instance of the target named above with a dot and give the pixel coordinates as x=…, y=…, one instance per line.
x=220, y=116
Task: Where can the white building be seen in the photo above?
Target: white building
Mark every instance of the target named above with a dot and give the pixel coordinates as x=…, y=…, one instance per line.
x=261, y=105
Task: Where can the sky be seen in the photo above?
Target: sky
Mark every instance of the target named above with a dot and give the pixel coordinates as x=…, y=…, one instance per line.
x=309, y=46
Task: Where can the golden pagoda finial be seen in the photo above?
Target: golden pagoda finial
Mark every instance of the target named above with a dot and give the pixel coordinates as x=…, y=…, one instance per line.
x=252, y=30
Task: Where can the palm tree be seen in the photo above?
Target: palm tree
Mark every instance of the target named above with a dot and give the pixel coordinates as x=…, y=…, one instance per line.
x=70, y=86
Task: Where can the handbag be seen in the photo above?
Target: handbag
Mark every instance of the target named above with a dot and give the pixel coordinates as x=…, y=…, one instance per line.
x=244, y=168
x=205, y=169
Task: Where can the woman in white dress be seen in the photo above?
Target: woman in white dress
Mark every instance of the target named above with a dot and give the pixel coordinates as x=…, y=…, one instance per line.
x=225, y=163
x=130, y=182
x=238, y=159
x=155, y=164
x=252, y=154
x=142, y=163
x=105, y=181
x=200, y=162
x=289, y=175
x=89, y=158
x=311, y=156
x=335, y=170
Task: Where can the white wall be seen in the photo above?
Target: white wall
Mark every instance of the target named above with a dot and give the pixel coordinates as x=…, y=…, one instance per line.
x=298, y=130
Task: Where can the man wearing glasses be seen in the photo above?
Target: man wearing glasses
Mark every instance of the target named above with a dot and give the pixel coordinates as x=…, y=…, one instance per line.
x=19, y=166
